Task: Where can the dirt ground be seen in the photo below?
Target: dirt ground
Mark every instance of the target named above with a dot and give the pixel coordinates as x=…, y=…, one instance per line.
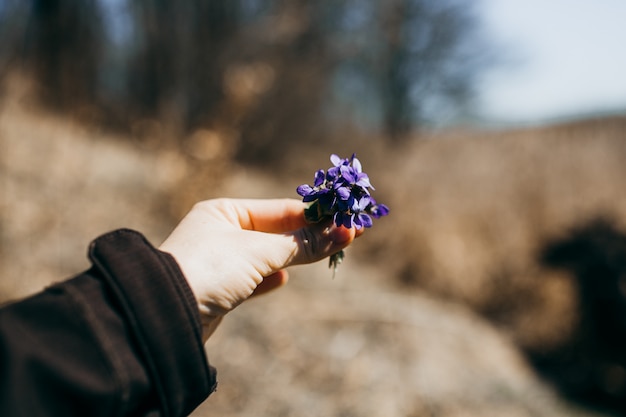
x=396, y=333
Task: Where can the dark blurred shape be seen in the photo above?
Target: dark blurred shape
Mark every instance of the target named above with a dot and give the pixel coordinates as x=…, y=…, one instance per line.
x=274, y=74
x=63, y=49
x=430, y=61
x=591, y=366
x=178, y=62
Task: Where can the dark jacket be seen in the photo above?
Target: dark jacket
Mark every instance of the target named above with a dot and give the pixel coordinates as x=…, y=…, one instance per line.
x=121, y=339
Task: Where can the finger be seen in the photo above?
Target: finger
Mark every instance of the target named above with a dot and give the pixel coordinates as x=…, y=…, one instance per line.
x=270, y=283
x=276, y=251
x=319, y=241
x=267, y=215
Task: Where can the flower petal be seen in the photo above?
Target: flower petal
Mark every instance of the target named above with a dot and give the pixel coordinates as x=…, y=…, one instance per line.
x=348, y=220
x=363, y=180
x=319, y=178
x=361, y=204
x=336, y=160
x=332, y=174
x=343, y=193
x=338, y=218
x=379, y=210
x=348, y=174
x=365, y=220
x=304, y=190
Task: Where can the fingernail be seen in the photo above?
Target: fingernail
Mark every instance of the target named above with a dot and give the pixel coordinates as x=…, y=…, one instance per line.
x=339, y=235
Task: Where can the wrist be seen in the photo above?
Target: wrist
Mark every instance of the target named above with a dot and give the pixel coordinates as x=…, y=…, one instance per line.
x=209, y=324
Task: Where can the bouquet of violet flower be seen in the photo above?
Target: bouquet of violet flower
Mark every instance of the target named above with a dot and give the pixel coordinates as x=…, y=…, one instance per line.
x=342, y=194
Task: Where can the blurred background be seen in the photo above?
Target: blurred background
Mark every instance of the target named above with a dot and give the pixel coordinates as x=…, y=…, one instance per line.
x=493, y=129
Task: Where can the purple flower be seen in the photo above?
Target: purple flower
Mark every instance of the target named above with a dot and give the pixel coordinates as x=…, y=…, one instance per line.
x=342, y=193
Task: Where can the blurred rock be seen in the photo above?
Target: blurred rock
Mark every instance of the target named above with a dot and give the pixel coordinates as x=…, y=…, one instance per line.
x=590, y=365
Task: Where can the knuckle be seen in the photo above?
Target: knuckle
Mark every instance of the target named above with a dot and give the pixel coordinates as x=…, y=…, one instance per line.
x=217, y=204
x=309, y=243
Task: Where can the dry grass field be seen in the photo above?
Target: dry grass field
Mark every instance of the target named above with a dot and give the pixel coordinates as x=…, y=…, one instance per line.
x=434, y=309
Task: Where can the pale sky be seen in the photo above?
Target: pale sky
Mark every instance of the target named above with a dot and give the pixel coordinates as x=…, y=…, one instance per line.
x=568, y=58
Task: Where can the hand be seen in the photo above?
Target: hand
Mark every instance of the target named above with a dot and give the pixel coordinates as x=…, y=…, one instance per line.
x=231, y=249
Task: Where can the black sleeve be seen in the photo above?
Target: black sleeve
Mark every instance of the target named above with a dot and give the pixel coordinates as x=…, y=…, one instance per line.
x=121, y=339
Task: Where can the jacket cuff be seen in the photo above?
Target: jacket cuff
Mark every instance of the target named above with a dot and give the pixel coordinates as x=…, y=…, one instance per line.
x=162, y=311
